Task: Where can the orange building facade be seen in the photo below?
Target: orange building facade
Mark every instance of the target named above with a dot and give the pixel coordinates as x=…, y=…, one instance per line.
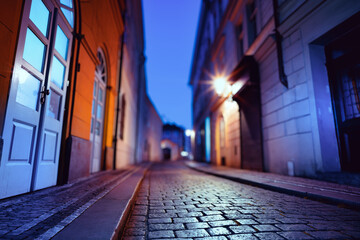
x=70, y=85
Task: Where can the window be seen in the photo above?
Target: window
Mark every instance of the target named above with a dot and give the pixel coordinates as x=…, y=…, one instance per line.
x=222, y=131
x=251, y=21
x=122, y=117
x=240, y=38
x=101, y=68
x=98, y=104
x=47, y=38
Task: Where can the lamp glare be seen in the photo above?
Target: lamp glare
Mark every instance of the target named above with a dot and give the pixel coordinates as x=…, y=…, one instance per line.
x=219, y=85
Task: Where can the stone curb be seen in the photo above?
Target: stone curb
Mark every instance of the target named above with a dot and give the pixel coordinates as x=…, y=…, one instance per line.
x=312, y=196
x=118, y=231
x=107, y=217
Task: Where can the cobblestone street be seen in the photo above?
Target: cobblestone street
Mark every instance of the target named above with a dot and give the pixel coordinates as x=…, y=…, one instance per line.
x=176, y=202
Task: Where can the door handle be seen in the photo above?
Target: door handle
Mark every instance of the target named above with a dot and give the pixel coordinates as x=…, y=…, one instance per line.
x=97, y=130
x=44, y=93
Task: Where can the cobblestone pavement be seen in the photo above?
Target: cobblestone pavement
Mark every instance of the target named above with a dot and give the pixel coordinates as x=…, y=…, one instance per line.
x=41, y=214
x=176, y=202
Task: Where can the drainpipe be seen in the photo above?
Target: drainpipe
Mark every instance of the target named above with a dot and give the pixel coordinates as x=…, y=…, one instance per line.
x=118, y=91
x=278, y=39
x=79, y=37
x=63, y=178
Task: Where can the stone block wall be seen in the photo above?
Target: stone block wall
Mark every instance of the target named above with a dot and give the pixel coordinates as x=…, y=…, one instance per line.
x=287, y=132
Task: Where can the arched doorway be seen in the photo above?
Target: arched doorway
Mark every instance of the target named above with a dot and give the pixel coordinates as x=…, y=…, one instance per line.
x=97, y=112
x=167, y=154
x=35, y=108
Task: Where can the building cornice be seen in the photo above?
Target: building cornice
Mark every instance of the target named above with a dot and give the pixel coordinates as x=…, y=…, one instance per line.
x=297, y=15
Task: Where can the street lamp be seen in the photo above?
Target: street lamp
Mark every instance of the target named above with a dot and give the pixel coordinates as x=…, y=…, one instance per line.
x=220, y=85
x=224, y=89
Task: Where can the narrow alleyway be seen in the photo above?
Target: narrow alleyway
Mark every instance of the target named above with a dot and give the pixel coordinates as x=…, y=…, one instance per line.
x=176, y=202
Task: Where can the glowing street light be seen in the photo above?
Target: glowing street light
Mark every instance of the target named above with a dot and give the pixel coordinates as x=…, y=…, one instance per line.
x=189, y=132
x=220, y=85
x=184, y=154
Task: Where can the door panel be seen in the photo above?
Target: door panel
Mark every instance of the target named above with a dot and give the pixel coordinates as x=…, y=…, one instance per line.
x=22, y=142
x=18, y=177
x=24, y=110
x=20, y=134
x=50, y=145
x=47, y=167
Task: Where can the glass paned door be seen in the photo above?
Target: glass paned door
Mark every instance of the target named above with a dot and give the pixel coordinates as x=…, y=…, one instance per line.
x=97, y=113
x=33, y=123
x=97, y=120
x=50, y=138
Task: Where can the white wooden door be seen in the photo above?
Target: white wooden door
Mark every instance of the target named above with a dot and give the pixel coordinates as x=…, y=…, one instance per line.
x=97, y=113
x=49, y=144
x=33, y=123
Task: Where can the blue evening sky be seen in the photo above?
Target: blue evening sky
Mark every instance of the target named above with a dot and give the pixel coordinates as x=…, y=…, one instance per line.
x=170, y=27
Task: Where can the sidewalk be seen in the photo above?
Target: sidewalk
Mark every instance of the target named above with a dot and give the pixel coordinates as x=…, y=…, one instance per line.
x=94, y=207
x=309, y=188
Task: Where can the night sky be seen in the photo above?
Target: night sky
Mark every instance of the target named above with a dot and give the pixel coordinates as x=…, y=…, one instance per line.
x=170, y=28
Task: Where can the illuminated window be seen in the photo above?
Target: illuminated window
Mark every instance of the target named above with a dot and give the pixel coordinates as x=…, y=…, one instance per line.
x=207, y=139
